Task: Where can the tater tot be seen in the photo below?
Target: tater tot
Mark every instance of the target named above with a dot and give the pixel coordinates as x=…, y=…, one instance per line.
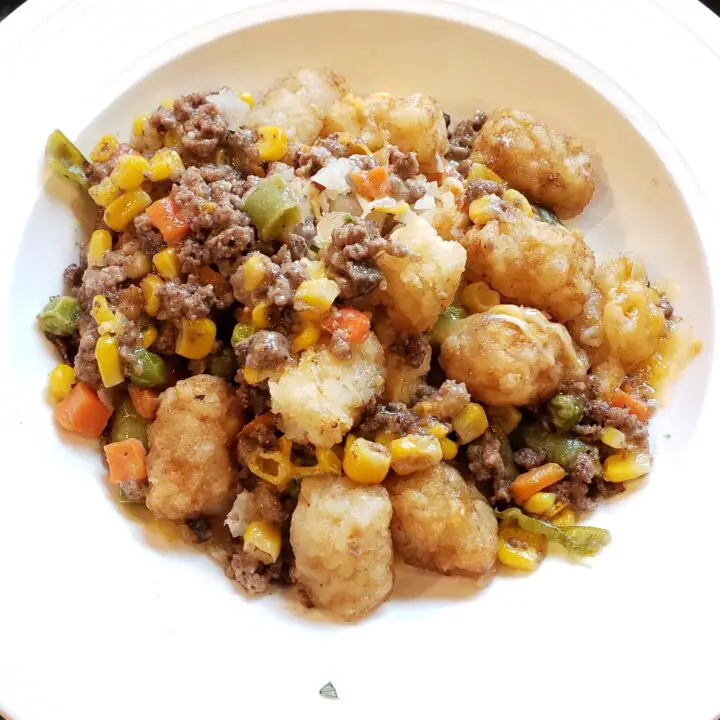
x=532, y=263
x=552, y=169
x=340, y=534
x=190, y=470
x=511, y=356
x=442, y=523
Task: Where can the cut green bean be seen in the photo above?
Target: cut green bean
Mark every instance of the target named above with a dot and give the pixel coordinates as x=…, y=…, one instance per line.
x=60, y=315
x=272, y=207
x=65, y=159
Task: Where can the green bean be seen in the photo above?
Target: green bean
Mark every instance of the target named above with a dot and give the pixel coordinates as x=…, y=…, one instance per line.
x=65, y=159
x=545, y=215
x=148, y=369
x=444, y=323
x=241, y=332
x=223, y=365
x=272, y=207
x=565, y=410
x=128, y=423
x=561, y=449
x=60, y=315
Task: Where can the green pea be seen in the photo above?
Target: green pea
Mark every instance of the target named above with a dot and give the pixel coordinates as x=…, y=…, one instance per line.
x=223, y=365
x=128, y=423
x=60, y=315
x=241, y=332
x=565, y=411
x=65, y=159
x=148, y=369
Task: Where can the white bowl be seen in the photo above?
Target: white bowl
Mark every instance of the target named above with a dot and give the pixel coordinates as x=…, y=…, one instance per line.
x=131, y=608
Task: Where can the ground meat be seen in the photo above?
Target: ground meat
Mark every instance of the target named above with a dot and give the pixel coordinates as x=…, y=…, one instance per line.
x=66, y=345
x=575, y=489
x=166, y=339
x=340, y=344
x=132, y=491
x=72, y=277
x=100, y=281
x=266, y=350
x=462, y=135
x=230, y=243
x=298, y=239
x=184, y=301
x=251, y=574
x=131, y=302
x=149, y=237
x=242, y=148
x=392, y=417
x=97, y=171
x=350, y=257
x=444, y=403
x=200, y=528
x=480, y=188
x=310, y=160
x=599, y=415
x=463, y=167
x=253, y=398
x=202, y=129
x=86, y=367
x=404, y=165
x=409, y=191
x=529, y=458
x=412, y=348
x=602, y=488
x=490, y=459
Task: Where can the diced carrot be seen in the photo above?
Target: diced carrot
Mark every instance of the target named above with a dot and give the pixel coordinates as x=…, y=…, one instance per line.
x=208, y=276
x=437, y=177
x=126, y=460
x=632, y=403
x=373, y=183
x=164, y=215
x=528, y=483
x=354, y=322
x=145, y=400
x=83, y=412
x=267, y=419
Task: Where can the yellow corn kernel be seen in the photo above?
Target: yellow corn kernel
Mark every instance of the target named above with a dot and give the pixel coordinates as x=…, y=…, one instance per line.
x=108, y=360
x=149, y=336
x=272, y=466
x=565, y=518
x=165, y=164
x=306, y=337
x=614, y=438
x=260, y=316
x=272, y=143
x=540, y=503
x=397, y=209
x=627, y=466
x=168, y=103
x=518, y=200
x=138, y=126
x=248, y=98
x=520, y=550
x=104, y=192
x=172, y=139
x=129, y=172
x=483, y=209
x=479, y=297
x=104, y=149
x=328, y=461
x=314, y=269
x=149, y=285
x=285, y=445
x=262, y=541
x=196, y=338
x=120, y=212
x=366, y=462
x=253, y=376
x=449, y=448
x=507, y=417
x=470, y=423
x=100, y=243
x=254, y=271
x=101, y=311
x=386, y=437
x=219, y=156
x=557, y=507
x=315, y=297
x=414, y=452
x=478, y=171
x=60, y=381
x=439, y=429
x=167, y=263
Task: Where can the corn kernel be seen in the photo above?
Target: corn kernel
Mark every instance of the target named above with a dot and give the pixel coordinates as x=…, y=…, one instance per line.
x=614, y=438
x=219, y=156
x=60, y=381
x=478, y=171
x=165, y=164
x=254, y=271
x=557, y=507
x=470, y=423
x=518, y=200
x=100, y=310
x=167, y=103
x=129, y=172
x=172, y=139
x=104, y=192
x=167, y=263
x=314, y=298
x=314, y=269
x=449, y=448
x=627, y=466
x=385, y=437
x=414, y=452
x=366, y=462
x=100, y=243
x=196, y=338
x=272, y=466
x=120, y=212
x=248, y=98
x=328, y=461
x=508, y=418
x=483, y=209
x=306, y=337
x=262, y=541
x=479, y=297
x=104, y=149
x=519, y=549
x=108, y=360
x=149, y=336
x=149, y=285
x=439, y=429
x=253, y=376
x=138, y=126
x=260, y=316
x=565, y=518
x=285, y=445
x=272, y=143
x=540, y=503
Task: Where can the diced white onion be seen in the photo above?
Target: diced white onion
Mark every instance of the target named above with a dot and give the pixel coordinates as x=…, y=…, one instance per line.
x=334, y=176
x=231, y=107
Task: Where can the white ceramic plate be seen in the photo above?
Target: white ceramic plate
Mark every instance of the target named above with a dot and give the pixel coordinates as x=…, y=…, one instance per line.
x=114, y=620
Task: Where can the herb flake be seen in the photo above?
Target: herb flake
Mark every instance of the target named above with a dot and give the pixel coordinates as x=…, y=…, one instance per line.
x=328, y=691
